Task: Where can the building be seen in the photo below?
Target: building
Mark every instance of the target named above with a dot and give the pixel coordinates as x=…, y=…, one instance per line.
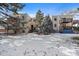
x=32, y=25
x=17, y=23
x=23, y=23
x=2, y=29
x=56, y=23
x=24, y=19
x=62, y=22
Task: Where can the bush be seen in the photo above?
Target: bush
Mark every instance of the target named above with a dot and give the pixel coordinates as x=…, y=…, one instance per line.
x=75, y=38
x=76, y=28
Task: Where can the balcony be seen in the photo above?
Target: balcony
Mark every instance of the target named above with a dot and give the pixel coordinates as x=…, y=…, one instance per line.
x=66, y=20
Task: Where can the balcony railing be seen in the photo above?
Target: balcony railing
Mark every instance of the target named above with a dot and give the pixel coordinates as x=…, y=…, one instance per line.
x=66, y=20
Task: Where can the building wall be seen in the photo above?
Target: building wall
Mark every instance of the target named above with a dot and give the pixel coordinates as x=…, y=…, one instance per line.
x=22, y=22
x=56, y=23
x=2, y=29
x=34, y=23
x=66, y=21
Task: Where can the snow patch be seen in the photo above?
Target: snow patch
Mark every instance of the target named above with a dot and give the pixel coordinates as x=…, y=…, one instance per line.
x=19, y=42
x=33, y=44
x=4, y=41
x=48, y=42
x=36, y=38
x=67, y=51
x=11, y=45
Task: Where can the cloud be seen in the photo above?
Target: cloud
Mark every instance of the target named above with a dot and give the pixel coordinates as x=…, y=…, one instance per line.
x=32, y=15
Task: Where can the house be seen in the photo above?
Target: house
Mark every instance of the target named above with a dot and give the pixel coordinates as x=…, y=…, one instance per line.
x=17, y=23
x=32, y=24
x=66, y=23
x=3, y=26
x=2, y=30
x=56, y=23
x=62, y=22
x=24, y=19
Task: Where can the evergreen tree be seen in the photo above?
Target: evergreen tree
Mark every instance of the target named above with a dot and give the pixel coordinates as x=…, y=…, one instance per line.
x=47, y=26
x=8, y=8
x=39, y=16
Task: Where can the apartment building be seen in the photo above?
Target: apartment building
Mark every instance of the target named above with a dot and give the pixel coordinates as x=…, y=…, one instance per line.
x=56, y=23
x=62, y=22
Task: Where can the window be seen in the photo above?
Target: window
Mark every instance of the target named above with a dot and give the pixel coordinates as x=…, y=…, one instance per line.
x=55, y=19
x=22, y=17
x=55, y=25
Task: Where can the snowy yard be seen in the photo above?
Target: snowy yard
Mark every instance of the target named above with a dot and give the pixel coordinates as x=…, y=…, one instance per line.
x=39, y=45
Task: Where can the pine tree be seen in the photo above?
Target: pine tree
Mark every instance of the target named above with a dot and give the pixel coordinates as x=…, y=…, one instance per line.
x=47, y=26
x=8, y=8
x=39, y=16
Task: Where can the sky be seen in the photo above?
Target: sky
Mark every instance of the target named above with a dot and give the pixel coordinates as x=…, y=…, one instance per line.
x=48, y=8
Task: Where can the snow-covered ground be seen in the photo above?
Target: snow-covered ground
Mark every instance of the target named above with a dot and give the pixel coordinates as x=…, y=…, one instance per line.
x=39, y=45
